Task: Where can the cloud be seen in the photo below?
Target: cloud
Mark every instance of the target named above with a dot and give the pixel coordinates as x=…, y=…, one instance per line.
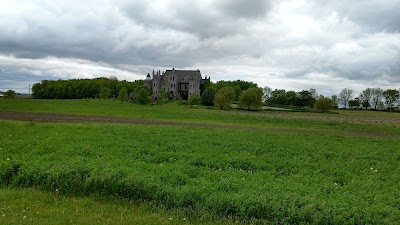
x=372, y=15
x=291, y=44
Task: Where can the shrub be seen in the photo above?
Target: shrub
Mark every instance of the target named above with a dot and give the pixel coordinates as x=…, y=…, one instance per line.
x=324, y=104
x=224, y=97
x=141, y=95
x=207, y=98
x=123, y=95
x=195, y=99
x=250, y=99
x=10, y=94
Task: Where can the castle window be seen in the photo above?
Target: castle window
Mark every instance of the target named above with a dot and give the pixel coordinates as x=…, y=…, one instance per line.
x=171, y=85
x=154, y=85
x=173, y=78
x=174, y=85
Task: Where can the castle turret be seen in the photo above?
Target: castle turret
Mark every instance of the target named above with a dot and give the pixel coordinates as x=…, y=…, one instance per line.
x=148, y=82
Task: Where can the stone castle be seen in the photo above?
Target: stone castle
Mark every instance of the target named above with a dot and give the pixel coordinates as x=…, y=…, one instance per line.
x=176, y=83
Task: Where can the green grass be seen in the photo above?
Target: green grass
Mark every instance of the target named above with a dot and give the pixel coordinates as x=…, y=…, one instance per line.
x=298, y=168
x=269, y=177
x=30, y=206
x=200, y=114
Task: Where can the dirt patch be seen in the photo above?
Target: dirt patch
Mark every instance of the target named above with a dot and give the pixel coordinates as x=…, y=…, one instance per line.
x=357, y=119
x=66, y=118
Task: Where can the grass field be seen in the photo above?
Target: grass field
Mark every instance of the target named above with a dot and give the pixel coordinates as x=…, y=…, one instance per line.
x=30, y=206
x=274, y=167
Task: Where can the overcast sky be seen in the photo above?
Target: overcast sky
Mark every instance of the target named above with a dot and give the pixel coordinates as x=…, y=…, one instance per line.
x=293, y=45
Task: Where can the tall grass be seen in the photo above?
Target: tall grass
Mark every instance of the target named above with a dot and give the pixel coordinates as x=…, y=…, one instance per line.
x=272, y=177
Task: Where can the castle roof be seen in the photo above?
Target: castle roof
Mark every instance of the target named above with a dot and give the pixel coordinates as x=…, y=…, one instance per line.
x=182, y=73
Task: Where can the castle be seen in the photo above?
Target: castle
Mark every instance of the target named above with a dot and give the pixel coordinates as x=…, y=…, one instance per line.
x=176, y=83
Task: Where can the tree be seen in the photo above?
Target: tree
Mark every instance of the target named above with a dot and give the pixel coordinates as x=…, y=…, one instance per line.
x=207, y=98
x=238, y=92
x=376, y=97
x=10, y=94
x=355, y=103
x=224, y=97
x=334, y=99
x=291, y=98
x=266, y=93
x=344, y=96
x=305, y=98
x=391, y=97
x=141, y=95
x=277, y=97
x=365, y=97
x=123, y=94
x=195, y=99
x=324, y=104
x=104, y=92
x=251, y=99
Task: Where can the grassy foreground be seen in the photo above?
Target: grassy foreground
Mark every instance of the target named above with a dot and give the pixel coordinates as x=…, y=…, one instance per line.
x=257, y=175
x=30, y=206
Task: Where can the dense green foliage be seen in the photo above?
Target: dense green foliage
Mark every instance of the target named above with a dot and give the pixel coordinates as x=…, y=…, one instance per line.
x=80, y=88
x=123, y=95
x=142, y=94
x=355, y=103
x=105, y=92
x=207, y=98
x=224, y=97
x=241, y=84
x=324, y=104
x=250, y=99
x=298, y=99
x=195, y=99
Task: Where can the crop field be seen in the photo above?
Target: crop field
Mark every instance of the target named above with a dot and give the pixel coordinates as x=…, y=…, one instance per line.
x=257, y=167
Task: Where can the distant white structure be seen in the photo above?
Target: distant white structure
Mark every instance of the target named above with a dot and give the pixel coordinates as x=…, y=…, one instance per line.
x=113, y=78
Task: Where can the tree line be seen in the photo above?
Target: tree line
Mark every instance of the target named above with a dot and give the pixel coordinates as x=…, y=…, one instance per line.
x=221, y=94
x=373, y=98
x=82, y=88
x=225, y=92
x=370, y=98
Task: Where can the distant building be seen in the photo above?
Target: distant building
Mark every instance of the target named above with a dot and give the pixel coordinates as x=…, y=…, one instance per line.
x=177, y=83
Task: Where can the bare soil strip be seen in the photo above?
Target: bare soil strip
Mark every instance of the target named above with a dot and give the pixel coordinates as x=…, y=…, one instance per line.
x=66, y=118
